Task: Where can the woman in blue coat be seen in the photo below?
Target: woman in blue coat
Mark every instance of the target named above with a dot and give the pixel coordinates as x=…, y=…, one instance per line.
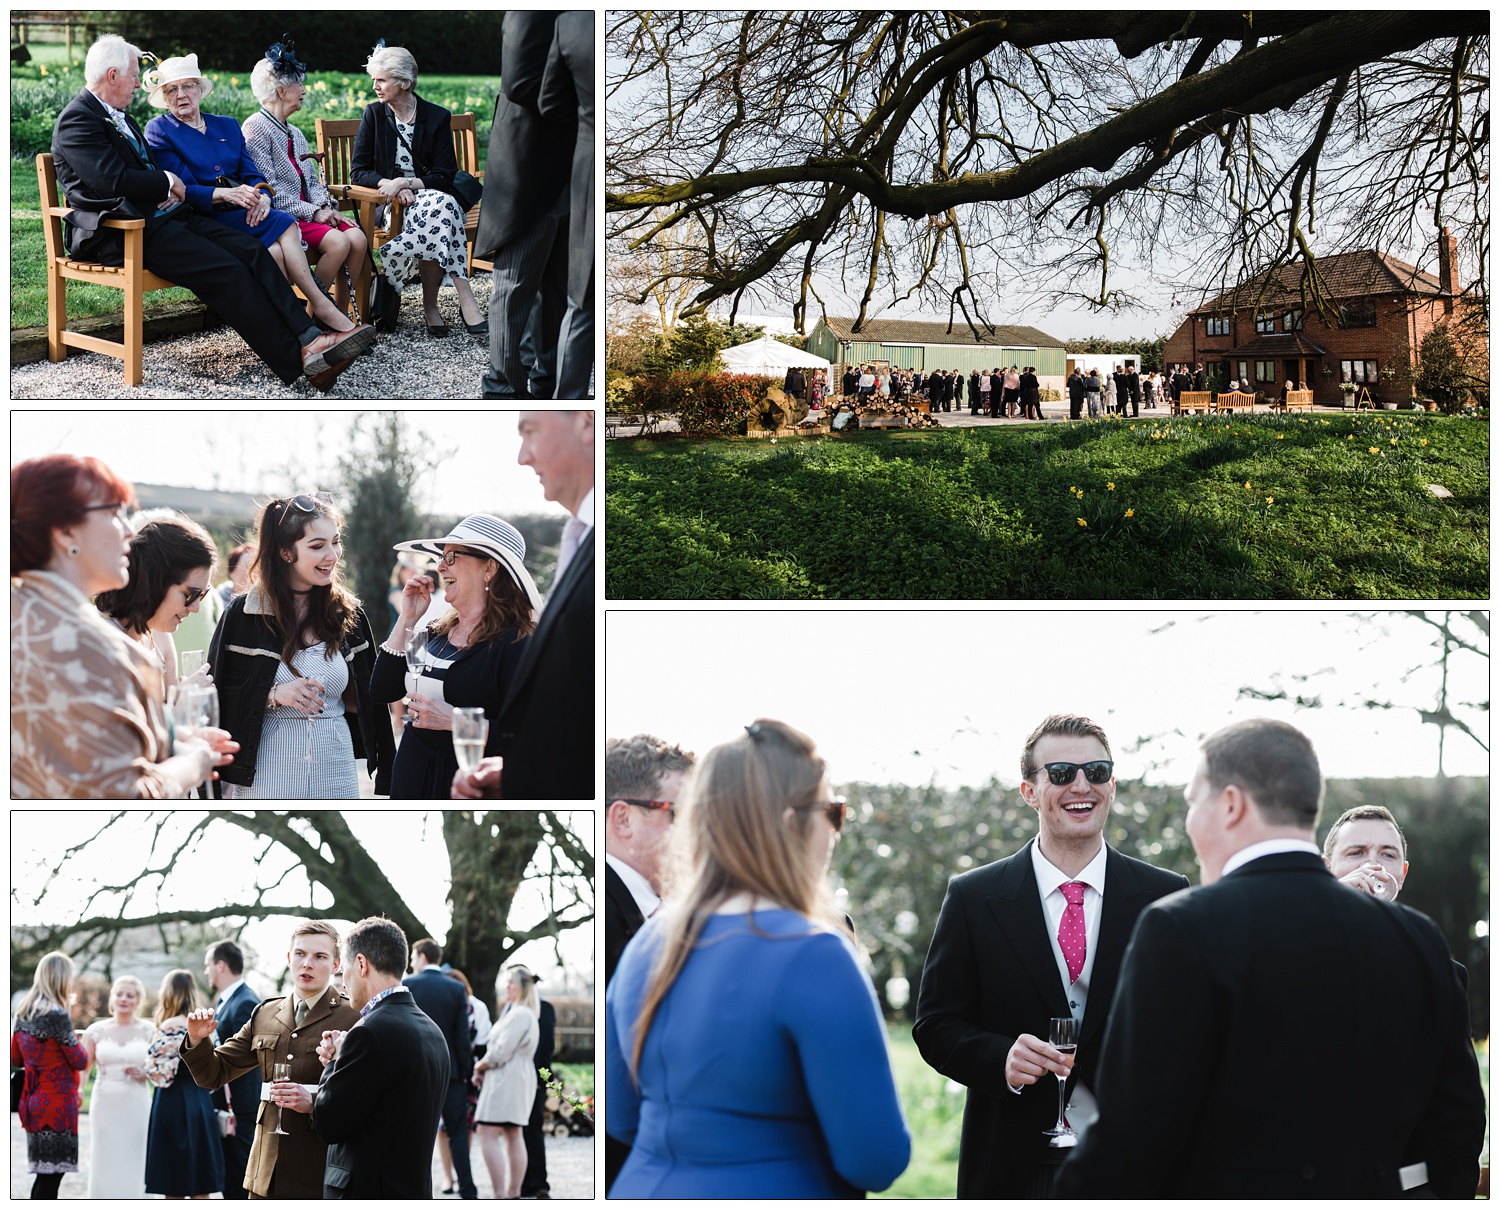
x=203, y=148
x=745, y=1047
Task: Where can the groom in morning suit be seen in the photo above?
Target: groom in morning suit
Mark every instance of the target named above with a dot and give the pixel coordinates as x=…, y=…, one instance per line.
x=381, y=1094
x=1033, y=936
x=1275, y=1036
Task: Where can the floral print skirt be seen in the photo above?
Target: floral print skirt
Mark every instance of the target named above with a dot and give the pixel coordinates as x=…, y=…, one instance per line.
x=432, y=229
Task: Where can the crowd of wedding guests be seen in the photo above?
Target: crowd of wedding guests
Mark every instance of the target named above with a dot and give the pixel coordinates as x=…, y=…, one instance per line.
x=1119, y=1033
x=176, y=1106
x=289, y=695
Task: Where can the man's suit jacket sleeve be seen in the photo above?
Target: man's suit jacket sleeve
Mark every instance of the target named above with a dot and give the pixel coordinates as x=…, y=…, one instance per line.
x=948, y=1006
x=459, y=1024
x=1152, y=1071
x=349, y=1087
x=84, y=139
x=213, y=1067
x=526, y=41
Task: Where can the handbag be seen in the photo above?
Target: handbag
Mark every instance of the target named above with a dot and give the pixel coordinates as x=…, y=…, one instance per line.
x=385, y=311
x=466, y=188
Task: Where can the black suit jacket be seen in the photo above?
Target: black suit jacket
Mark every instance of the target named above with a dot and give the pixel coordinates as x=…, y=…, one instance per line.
x=529, y=164
x=567, y=95
x=379, y=1103
x=431, y=145
x=622, y=920
x=243, y=1091
x=1223, y=1073
x=991, y=976
x=444, y=1000
x=101, y=176
x=547, y=723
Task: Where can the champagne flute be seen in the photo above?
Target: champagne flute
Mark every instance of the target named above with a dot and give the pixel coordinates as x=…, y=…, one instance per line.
x=1063, y=1034
x=417, y=660
x=470, y=730
x=280, y=1071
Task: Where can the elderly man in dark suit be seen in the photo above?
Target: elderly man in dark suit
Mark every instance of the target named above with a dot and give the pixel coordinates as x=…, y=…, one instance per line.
x=1025, y=939
x=444, y=1000
x=105, y=170
x=545, y=724
x=381, y=1092
x=523, y=215
x=567, y=94
x=1234, y=994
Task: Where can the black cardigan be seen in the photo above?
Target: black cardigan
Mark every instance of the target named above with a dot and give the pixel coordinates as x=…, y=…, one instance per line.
x=431, y=145
x=244, y=655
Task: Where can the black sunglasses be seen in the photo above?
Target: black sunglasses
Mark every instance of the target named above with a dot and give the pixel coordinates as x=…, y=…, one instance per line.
x=836, y=808
x=652, y=805
x=1062, y=772
x=193, y=595
x=305, y=502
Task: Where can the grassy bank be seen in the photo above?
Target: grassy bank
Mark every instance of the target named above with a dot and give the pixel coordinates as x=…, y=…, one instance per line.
x=1234, y=507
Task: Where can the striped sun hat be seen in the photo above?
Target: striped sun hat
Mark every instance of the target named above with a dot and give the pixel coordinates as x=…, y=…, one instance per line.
x=499, y=539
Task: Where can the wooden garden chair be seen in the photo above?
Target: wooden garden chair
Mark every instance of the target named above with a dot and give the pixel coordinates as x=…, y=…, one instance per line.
x=132, y=279
x=1298, y=400
x=1195, y=401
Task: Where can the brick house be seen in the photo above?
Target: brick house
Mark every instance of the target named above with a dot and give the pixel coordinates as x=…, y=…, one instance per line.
x=1380, y=309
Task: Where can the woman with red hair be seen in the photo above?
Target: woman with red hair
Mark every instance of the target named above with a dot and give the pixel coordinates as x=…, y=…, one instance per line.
x=86, y=715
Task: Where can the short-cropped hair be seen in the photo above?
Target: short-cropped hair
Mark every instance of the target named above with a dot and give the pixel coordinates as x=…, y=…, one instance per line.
x=382, y=943
x=634, y=767
x=229, y=954
x=429, y=949
x=1368, y=811
x=109, y=51
x=1274, y=764
x=320, y=928
x=1060, y=724
x=394, y=62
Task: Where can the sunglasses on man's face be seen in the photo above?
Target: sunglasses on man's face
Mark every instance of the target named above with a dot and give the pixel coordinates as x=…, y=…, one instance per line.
x=650, y=804
x=1062, y=772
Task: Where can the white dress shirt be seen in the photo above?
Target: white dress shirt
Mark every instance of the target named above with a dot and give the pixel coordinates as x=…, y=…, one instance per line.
x=1049, y=880
x=635, y=882
x=227, y=992
x=1265, y=848
x=574, y=531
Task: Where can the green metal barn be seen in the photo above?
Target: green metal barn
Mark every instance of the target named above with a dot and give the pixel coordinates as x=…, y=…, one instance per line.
x=918, y=345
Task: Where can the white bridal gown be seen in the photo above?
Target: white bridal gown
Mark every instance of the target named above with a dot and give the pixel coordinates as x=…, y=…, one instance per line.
x=119, y=1112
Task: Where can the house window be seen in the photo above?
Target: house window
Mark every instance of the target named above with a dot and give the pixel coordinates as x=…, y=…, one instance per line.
x=1244, y=370
x=1265, y=323
x=1292, y=321
x=1359, y=315
x=1265, y=371
x=1358, y=371
x=1218, y=325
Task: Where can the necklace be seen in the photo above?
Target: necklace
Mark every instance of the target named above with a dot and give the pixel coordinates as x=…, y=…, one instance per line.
x=407, y=118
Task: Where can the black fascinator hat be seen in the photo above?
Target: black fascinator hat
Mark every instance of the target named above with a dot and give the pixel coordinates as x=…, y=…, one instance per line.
x=283, y=60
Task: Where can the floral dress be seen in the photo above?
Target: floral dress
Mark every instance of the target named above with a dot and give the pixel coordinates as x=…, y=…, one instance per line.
x=45, y=1044
x=432, y=227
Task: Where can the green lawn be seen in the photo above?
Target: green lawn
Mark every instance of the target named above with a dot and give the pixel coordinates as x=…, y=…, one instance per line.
x=934, y=1111
x=1282, y=507
x=41, y=89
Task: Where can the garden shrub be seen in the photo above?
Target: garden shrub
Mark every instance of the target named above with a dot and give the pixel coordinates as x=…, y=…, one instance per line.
x=705, y=404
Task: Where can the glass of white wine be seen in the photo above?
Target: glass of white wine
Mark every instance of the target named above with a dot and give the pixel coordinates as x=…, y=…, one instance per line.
x=470, y=730
x=280, y=1071
x=1063, y=1034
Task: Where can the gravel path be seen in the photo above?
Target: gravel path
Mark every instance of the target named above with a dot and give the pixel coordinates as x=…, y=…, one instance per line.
x=570, y=1167
x=405, y=364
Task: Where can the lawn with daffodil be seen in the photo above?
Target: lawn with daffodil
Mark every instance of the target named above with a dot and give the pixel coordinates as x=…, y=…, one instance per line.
x=1267, y=507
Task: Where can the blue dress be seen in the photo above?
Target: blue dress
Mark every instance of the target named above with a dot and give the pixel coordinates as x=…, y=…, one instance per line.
x=765, y=1073
x=200, y=159
x=183, y=1154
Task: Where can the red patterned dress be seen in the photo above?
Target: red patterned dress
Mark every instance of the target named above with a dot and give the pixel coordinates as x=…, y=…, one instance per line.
x=45, y=1043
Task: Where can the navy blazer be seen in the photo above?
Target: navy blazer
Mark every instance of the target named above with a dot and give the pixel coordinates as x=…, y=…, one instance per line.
x=244, y=1091
x=431, y=145
x=444, y=1000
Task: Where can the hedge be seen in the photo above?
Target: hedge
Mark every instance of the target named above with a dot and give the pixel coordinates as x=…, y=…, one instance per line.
x=705, y=404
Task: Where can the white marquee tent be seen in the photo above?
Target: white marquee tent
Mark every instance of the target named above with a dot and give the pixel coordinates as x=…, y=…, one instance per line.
x=768, y=356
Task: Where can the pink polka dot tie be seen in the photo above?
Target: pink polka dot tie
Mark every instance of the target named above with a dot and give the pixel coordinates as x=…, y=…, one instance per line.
x=1070, y=932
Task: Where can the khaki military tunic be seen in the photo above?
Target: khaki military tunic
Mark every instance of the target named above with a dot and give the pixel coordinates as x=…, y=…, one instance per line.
x=296, y=1158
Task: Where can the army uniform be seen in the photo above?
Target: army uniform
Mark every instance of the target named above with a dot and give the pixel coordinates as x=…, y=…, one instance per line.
x=289, y=1165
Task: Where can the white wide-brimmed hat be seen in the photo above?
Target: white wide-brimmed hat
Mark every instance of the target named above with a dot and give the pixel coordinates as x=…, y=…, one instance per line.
x=499, y=539
x=169, y=71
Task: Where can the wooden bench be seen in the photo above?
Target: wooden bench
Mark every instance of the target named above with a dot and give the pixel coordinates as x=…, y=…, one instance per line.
x=336, y=150
x=132, y=278
x=1236, y=401
x=1296, y=400
x=1194, y=401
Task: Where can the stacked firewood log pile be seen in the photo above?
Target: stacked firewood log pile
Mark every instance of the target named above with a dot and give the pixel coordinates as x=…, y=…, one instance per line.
x=879, y=405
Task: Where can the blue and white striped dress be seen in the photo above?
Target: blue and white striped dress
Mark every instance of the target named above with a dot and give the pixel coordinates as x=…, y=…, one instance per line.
x=302, y=757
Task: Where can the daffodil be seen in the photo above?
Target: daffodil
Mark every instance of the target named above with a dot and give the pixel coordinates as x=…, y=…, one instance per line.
x=1083, y=523
x=1270, y=499
x=1393, y=441
x=1109, y=486
x=1247, y=485
x=1130, y=512
x=1374, y=449
x=1280, y=436
x=1424, y=440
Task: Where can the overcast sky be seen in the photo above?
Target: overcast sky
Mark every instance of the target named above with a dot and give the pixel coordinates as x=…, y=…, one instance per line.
x=917, y=696
x=407, y=845
x=471, y=467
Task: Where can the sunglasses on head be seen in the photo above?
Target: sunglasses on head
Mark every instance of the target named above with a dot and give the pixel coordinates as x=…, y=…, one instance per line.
x=1062, y=772
x=652, y=805
x=836, y=809
x=192, y=595
x=304, y=502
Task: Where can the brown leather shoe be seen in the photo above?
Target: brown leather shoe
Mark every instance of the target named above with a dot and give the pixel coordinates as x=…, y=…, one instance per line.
x=324, y=381
x=351, y=344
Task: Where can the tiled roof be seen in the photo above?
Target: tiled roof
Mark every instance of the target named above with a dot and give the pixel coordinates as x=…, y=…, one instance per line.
x=1286, y=344
x=913, y=331
x=1347, y=275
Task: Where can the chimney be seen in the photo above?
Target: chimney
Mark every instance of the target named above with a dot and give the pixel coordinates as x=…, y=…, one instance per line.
x=1447, y=269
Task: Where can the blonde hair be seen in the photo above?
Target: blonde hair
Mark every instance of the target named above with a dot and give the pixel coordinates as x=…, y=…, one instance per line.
x=140, y=991
x=317, y=928
x=732, y=835
x=178, y=995
x=49, y=986
x=526, y=981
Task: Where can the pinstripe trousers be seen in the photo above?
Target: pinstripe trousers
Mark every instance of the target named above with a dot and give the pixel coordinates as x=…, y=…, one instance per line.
x=531, y=268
